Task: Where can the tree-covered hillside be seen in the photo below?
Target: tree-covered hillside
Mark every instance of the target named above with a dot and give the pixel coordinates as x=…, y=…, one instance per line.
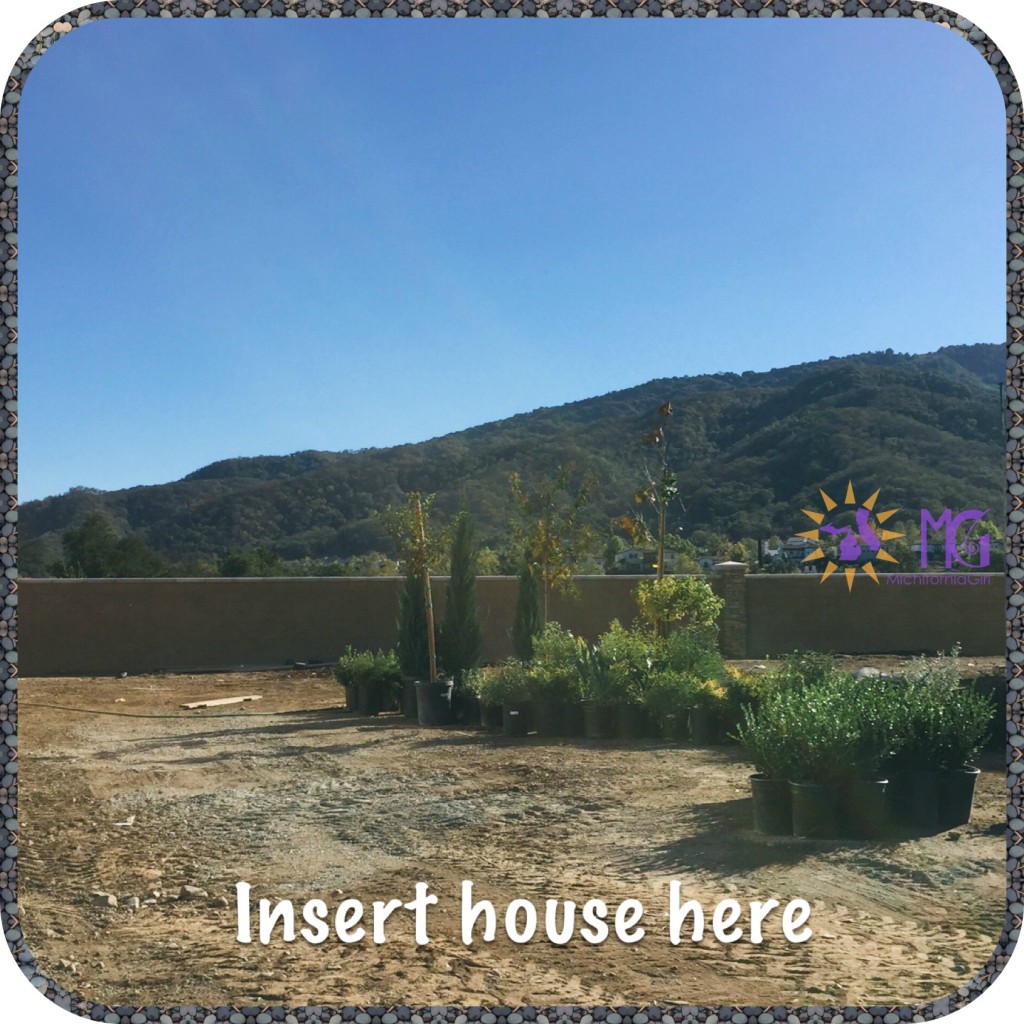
x=751, y=450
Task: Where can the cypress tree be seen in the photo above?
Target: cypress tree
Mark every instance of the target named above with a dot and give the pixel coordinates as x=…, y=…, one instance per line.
x=461, y=639
x=528, y=620
x=413, y=654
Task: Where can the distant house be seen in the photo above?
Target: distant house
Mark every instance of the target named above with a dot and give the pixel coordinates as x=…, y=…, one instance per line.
x=642, y=561
x=796, y=549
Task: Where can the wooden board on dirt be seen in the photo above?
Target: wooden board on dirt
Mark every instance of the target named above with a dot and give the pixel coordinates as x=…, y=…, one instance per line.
x=219, y=701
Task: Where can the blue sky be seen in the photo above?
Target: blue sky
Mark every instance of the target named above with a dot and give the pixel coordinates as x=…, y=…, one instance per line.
x=257, y=237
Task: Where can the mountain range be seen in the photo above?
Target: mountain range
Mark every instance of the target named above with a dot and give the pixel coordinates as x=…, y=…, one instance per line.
x=750, y=450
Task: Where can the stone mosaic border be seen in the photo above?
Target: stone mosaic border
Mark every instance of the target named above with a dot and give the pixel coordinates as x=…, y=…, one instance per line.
x=1013, y=417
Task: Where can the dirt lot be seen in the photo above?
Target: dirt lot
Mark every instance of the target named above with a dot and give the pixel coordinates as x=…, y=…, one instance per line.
x=305, y=801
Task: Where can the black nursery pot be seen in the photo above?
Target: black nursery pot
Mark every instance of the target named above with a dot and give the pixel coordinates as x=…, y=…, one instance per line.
x=434, y=703
x=371, y=699
x=599, y=721
x=815, y=814
x=704, y=727
x=913, y=798
x=352, y=697
x=773, y=806
x=409, y=708
x=515, y=720
x=956, y=796
x=491, y=717
x=466, y=709
x=632, y=722
x=572, y=719
x=862, y=811
x=676, y=728
x=549, y=718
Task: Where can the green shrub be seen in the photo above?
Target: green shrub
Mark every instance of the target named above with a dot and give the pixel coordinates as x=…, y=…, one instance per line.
x=677, y=600
x=801, y=668
x=601, y=680
x=763, y=734
x=671, y=693
x=380, y=672
x=353, y=666
x=693, y=650
x=631, y=656
x=527, y=620
x=942, y=727
x=507, y=683
x=555, y=648
x=413, y=651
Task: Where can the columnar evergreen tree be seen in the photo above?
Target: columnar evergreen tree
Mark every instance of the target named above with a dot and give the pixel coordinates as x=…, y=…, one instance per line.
x=419, y=547
x=527, y=622
x=462, y=638
x=413, y=652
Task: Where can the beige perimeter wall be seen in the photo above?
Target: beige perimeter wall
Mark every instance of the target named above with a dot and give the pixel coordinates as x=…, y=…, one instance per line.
x=98, y=627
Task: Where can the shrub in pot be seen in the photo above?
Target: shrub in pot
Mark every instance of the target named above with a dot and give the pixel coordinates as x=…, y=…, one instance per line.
x=556, y=690
x=944, y=728
x=631, y=655
x=669, y=698
x=380, y=686
x=604, y=690
x=412, y=647
x=762, y=732
x=820, y=739
x=508, y=686
x=351, y=669
x=490, y=714
x=709, y=701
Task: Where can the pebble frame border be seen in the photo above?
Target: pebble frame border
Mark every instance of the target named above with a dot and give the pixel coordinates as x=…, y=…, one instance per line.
x=1013, y=418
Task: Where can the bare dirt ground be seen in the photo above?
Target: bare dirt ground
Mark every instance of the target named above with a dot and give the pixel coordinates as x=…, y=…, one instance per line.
x=305, y=801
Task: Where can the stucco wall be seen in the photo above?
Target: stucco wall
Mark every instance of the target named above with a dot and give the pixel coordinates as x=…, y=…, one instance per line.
x=96, y=627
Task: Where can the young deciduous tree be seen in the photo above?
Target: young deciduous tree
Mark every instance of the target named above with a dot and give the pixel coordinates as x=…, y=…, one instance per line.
x=661, y=490
x=548, y=529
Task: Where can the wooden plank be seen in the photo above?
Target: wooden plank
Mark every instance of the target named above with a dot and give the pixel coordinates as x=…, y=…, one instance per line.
x=219, y=702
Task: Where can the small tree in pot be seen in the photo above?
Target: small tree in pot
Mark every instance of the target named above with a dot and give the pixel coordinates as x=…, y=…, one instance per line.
x=460, y=642
x=419, y=548
x=549, y=532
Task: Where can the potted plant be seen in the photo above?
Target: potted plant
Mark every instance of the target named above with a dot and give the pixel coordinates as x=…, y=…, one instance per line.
x=820, y=740
x=488, y=697
x=460, y=641
x=604, y=691
x=508, y=686
x=549, y=533
x=379, y=685
x=762, y=733
x=556, y=690
x=351, y=668
x=943, y=726
x=706, y=713
x=669, y=697
x=633, y=655
x=419, y=548
x=413, y=650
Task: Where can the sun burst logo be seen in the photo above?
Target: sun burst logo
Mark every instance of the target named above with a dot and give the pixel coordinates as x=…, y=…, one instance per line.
x=852, y=537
